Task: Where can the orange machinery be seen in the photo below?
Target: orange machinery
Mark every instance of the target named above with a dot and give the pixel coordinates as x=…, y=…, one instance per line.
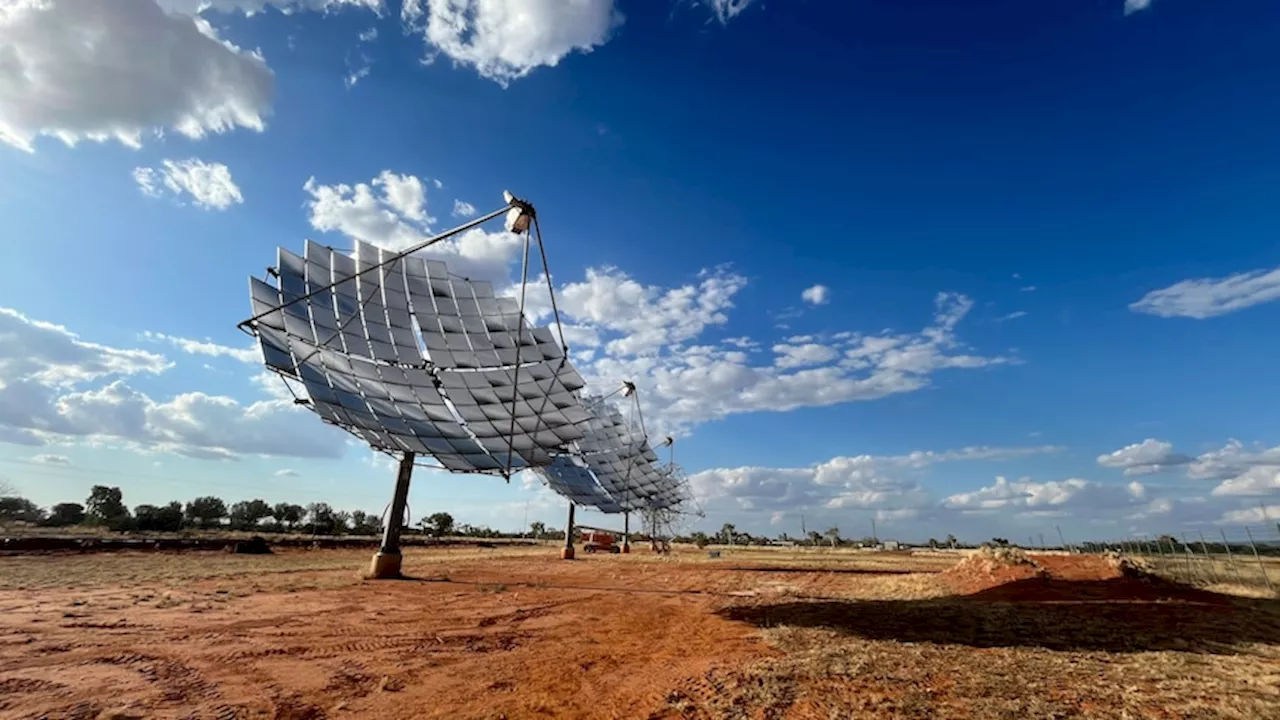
x=598, y=540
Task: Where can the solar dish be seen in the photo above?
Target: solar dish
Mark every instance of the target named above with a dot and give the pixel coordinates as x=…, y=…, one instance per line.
x=411, y=358
x=417, y=361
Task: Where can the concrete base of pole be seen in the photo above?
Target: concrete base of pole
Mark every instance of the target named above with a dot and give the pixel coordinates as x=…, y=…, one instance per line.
x=626, y=548
x=566, y=553
x=384, y=566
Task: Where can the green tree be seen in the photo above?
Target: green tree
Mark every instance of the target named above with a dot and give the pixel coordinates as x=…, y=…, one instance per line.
x=150, y=518
x=363, y=523
x=815, y=537
x=321, y=518
x=105, y=506
x=933, y=543
x=727, y=533
x=441, y=524
x=341, y=522
x=16, y=509
x=288, y=515
x=833, y=535
x=206, y=511
x=951, y=541
x=246, y=514
x=64, y=514
x=700, y=539
x=537, y=529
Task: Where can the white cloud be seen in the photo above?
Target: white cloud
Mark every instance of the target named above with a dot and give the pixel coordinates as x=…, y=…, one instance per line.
x=47, y=459
x=507, y=39
x=1252, y=516
x=1012, y=316
x=1259, y=480
x=44, y=366
x=646, y=318
x=645, y=330
x=1231, y=461
x=145, y=70
x=391, y=212
x=355, y=76
x=368, y=35
x=1028, y=495
x=209, y=184
x=1133, y=6
x=463, y=209
x=1208, y=297
x=726, y=10
x=816, y=295
x=47, y=354
x=249, y=354
x=1027, y=288
x=1144, y=458
x=883, y=482
x=809, y=354
x=287, y=473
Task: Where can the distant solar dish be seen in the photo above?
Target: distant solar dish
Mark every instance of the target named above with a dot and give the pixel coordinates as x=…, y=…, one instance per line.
x=613, y=469
x=417, y=361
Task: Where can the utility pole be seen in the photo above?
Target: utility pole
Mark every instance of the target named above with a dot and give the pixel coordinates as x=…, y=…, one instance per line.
x=875, y=539
x=804, y=532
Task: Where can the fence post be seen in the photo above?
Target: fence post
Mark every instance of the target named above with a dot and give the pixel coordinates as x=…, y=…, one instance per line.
x=1062, y=539
x=1186, y=553
x=1231, y=559
x=1205, y=548
x=1261, y=565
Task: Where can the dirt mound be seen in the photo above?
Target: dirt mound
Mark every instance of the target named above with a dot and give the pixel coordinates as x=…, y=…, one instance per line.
x=1009, y=575
x=990, y=567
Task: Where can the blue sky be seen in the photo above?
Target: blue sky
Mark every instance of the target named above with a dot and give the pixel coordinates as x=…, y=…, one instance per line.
x=1045, y=235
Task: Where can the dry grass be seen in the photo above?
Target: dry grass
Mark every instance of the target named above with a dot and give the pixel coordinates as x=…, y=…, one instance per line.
x=825, y=674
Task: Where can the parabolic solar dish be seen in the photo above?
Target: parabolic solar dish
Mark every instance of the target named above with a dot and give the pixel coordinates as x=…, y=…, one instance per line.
x=613, y=468
x=410, y=358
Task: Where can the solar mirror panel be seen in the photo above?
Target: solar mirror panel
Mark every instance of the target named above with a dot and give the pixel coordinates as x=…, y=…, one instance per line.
x=407, y=357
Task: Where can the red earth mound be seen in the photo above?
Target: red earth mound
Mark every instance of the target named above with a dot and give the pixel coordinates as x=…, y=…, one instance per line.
x=1016, y=577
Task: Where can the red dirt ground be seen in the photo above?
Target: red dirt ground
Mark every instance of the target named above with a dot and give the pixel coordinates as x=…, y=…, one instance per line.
x=505, y=636
x=501, y=637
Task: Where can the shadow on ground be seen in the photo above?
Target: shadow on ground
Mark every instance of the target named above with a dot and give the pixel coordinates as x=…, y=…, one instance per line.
x=1119, y=615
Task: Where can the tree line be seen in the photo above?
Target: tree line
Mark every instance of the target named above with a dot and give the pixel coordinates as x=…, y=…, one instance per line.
x=105, y=508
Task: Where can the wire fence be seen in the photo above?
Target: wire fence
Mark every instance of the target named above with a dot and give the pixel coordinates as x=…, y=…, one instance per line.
x=1247, y=555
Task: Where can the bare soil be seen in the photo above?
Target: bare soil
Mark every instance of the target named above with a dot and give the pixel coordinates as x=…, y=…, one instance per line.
x=518, y=633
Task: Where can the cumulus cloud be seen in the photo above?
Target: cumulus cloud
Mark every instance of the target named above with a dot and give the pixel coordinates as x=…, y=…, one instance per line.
x=1208, y=297
x=1046, y=497
x=507, y=39
x=48, y=354
x=44, y=371
x=1144, y=458
x=808, y=354
x=648, y=334
x=646, y=317
x=1252, y=515
x=209, y=185
x=391, y=211
x=463, y=209
x=249, y=355
x=145, y=70
x=816, y=295
x=885, y=482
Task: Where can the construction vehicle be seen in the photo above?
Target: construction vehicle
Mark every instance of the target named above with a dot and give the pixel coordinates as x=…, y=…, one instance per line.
x=598, y=540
